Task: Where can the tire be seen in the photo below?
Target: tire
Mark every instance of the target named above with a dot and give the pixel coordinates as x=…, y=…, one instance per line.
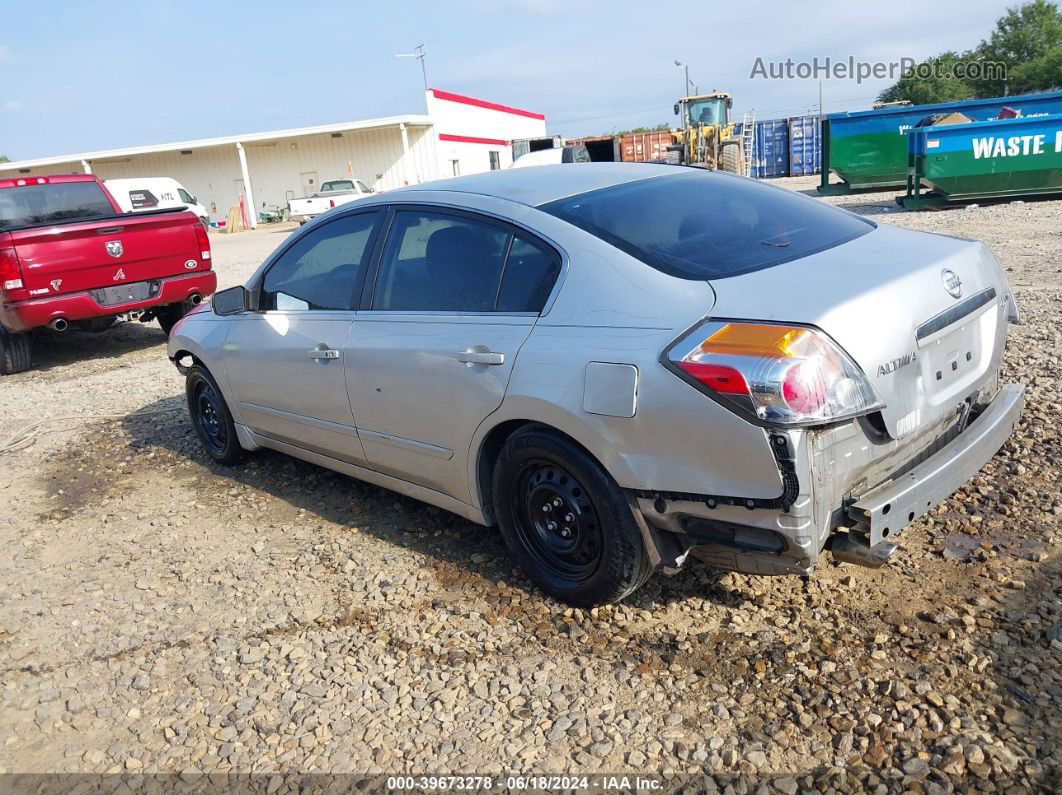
x=211, y=418
x=169, y=315
x=591, y=551
x=733, y=161
x=15, y=352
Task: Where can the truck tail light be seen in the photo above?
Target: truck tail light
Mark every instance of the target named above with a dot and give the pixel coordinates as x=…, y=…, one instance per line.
x=776, y=374
x=23, y=182
x=331, y=203
x=11, y=285
x=203, y=239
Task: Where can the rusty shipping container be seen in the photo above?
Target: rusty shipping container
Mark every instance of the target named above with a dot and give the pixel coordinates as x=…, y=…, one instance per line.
x=645, y=147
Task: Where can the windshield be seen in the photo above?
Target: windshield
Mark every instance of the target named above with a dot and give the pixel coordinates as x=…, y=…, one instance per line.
x=52, y=203
x=701, y=224
x=707, y=111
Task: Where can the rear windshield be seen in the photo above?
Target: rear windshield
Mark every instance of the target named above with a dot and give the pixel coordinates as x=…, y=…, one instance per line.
x=339, y=184
x=56, y=202
x=703, y=224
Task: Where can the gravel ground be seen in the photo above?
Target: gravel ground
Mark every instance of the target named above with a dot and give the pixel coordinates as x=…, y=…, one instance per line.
x=161, y=614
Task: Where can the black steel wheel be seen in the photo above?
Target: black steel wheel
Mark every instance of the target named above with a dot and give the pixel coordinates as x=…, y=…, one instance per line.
x=211, y=418
x=556, y=520
x=566, y=521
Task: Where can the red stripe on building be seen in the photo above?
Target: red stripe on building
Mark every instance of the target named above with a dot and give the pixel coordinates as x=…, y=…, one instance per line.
x=480, y=103
x=468, y=139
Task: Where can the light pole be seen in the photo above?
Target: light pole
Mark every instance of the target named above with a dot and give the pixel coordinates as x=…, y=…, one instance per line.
x=418, y=53
x=686, y=86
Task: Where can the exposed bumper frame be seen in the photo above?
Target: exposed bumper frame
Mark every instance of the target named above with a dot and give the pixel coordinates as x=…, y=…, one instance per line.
x=887, y=508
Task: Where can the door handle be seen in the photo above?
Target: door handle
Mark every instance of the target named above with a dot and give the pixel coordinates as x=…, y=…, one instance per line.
x=323, y=352
x=481, y=357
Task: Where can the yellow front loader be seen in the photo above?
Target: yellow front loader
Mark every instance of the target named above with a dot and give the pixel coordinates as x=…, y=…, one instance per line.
x=708, y=137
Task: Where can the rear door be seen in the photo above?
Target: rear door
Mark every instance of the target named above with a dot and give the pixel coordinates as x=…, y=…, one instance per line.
x=285, y=362
x=454, y=297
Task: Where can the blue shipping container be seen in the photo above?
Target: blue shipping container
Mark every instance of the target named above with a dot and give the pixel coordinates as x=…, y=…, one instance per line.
x=805, y=145
x=770, y=153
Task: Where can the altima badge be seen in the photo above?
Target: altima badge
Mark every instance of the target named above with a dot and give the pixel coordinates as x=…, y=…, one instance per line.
x=952, y=282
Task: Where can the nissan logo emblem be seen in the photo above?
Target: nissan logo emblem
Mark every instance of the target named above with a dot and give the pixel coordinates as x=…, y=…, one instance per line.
x=952, y=282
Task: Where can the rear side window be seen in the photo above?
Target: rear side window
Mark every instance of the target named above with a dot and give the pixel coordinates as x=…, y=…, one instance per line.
x=142, y=199
x=323, y=268
x=437, y=262
x=703, y=224
x=530, y=272
x=56, y=202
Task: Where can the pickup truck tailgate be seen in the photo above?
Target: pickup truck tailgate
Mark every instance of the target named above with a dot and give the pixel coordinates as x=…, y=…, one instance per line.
x=82, y=256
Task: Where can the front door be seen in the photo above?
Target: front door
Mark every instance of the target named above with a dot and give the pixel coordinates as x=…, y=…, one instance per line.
x=285, y=362
x=454, y=298
x=309, y=182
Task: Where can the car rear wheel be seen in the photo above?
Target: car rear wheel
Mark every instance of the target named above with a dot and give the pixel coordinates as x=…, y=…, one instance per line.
x=566, y=521
x=169, y=315
x=15, y=354
x=211, y=417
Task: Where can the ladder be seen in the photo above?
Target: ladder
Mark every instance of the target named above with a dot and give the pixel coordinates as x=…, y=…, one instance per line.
x=748, y=140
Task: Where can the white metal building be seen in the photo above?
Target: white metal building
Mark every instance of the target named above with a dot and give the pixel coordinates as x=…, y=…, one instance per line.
x=458, y=135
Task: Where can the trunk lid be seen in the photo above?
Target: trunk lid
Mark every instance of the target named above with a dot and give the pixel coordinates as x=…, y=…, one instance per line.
x=85, y=255
x=889, y=299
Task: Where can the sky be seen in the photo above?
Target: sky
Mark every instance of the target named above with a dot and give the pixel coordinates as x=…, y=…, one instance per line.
x=86, y=76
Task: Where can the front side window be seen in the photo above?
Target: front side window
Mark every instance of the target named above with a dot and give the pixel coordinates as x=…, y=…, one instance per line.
x=186, y=197
x=363, y=187
x=701, y=224
x=322, y=269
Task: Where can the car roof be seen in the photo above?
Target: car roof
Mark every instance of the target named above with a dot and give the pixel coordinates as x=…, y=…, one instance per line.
x=541, y=184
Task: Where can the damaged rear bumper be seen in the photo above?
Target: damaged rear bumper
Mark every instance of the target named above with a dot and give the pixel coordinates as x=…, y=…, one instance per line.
x=755, y=539
x=886, y=509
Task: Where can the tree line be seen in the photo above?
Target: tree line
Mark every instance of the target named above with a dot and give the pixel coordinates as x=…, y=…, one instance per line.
x=1027, y=41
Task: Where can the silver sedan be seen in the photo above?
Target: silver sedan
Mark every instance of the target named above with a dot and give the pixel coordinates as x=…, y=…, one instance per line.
x=619, y=365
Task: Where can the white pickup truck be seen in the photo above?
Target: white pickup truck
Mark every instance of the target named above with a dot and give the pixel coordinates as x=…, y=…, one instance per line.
x=332, y=194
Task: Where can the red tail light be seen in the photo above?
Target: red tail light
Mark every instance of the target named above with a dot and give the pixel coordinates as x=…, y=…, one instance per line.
x=332, y=203
x=203, y=239
x=11, y=276
x=775, y=373
x=23, y=182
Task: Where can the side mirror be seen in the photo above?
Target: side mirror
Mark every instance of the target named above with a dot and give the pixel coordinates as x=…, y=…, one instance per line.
x=232, y=301
x=676, y=109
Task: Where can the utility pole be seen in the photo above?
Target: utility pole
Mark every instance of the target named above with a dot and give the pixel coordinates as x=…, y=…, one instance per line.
x=418, y=53
x=686, y=84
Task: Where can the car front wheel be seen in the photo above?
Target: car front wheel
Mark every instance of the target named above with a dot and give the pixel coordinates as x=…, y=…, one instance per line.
x=211, y=417
x=566, y=521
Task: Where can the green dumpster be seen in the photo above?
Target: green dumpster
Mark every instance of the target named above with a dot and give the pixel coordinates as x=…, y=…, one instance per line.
x=983, y=160
x=868, y=149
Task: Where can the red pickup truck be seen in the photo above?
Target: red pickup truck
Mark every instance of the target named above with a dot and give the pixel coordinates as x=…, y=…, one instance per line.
x=69, y=257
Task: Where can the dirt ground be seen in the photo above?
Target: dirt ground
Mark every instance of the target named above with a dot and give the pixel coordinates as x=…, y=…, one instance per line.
x=161, y=614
